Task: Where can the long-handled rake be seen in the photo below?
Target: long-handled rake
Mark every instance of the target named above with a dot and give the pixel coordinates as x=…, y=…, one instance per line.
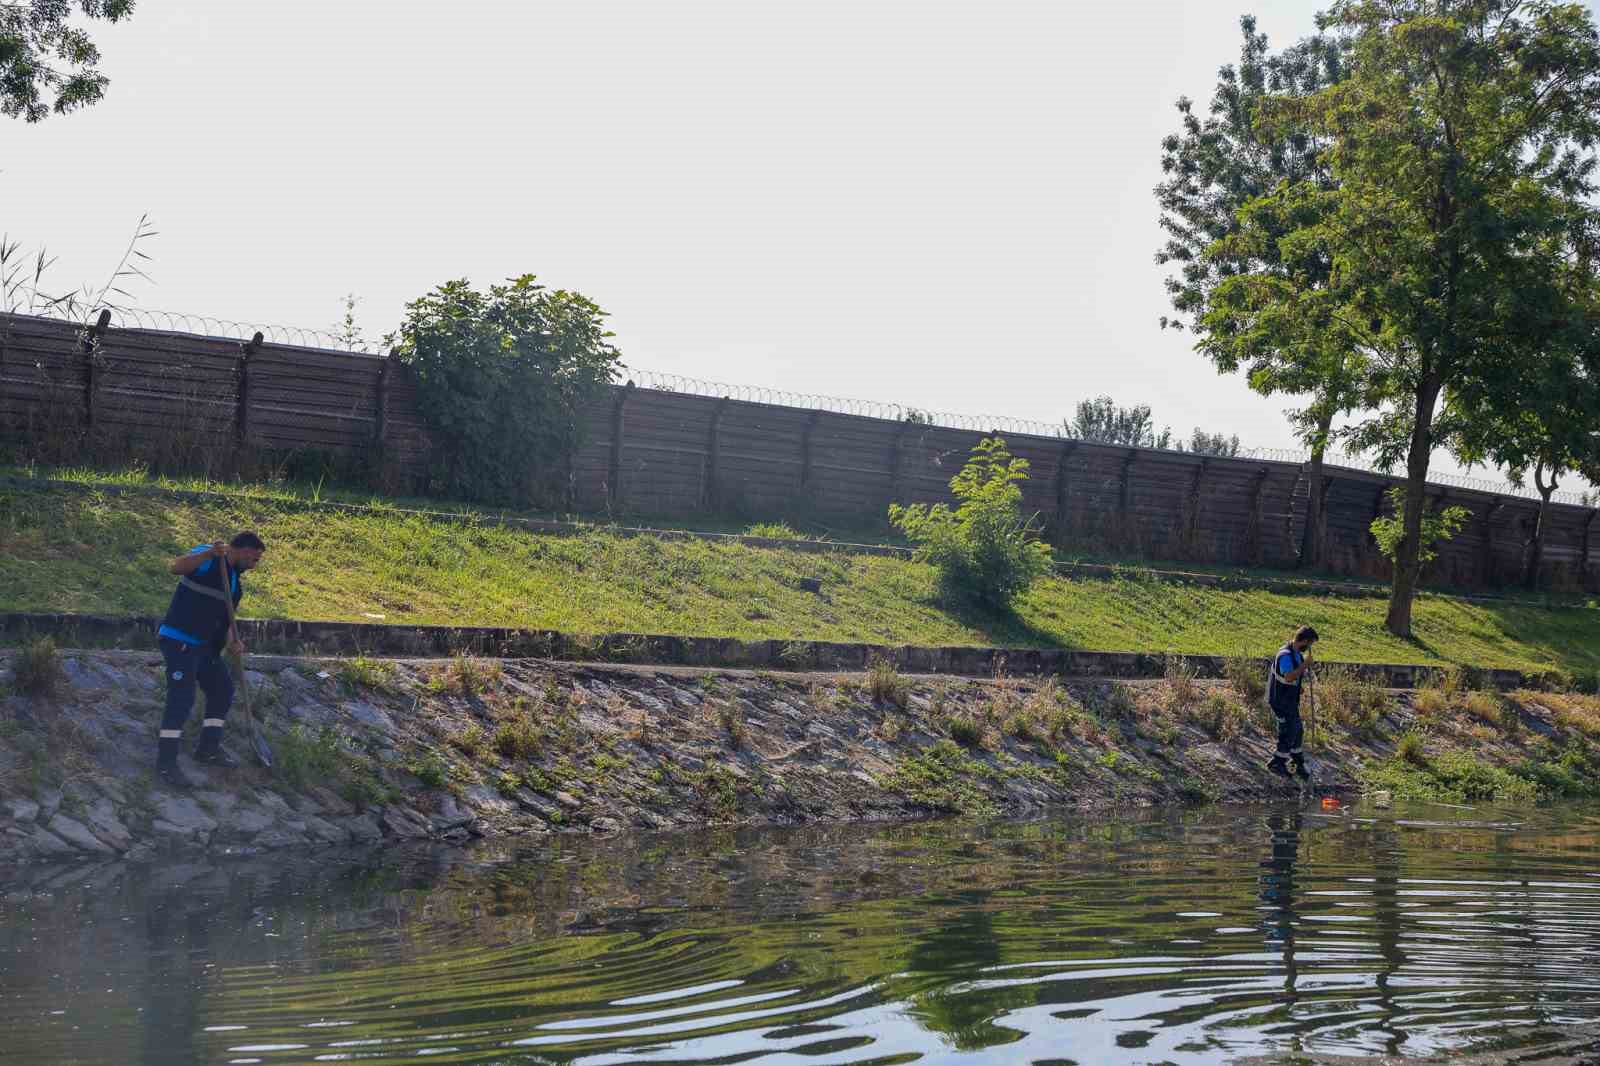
x=258, y=742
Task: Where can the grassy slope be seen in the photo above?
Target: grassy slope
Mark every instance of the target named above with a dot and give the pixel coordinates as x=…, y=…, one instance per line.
x=74, y=552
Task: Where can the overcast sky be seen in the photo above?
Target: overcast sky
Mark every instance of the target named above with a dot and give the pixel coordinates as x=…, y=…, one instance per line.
x=946, y=205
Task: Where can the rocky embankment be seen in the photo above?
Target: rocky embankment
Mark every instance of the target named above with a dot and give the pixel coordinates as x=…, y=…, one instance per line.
x=368, y=750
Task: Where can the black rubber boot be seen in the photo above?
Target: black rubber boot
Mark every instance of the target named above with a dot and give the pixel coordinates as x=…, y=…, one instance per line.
x=169, y=774
x=1278, y=766
x=1300, y=770
x=215, y=755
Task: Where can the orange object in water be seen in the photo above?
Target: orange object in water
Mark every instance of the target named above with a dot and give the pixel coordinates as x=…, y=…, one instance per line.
x=1329, y=802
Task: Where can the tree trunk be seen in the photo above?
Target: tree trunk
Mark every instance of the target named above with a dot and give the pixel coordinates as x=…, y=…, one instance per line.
x=1407, y=560
x=1313, y=539
x=1535, y=555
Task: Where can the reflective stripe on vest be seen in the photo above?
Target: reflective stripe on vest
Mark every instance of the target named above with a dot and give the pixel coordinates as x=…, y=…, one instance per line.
x=204, y=590
x=1272, y=671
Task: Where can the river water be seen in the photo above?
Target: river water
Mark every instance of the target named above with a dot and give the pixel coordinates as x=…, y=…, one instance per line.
x=1172, y=937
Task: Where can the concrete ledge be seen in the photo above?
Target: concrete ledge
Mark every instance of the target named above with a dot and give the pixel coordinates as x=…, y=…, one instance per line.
x=290, y=637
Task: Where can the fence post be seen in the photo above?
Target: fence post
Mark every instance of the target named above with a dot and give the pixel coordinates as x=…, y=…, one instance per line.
x=1122, y=485
x=1063, y=483
x=1583, y=566
x=88, y=345
x=241, y=412
x=896, y=448
x=1486, y=565
x=805, y=449
x=380, y=415
x=1253, y=540
x=710, y=490
x=614, y=467
x=1191, y=518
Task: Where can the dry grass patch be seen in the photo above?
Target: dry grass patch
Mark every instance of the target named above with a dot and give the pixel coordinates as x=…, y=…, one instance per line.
x=1355, y=702
x=1248, y=676
x=1181, y=688
x=466, y=676
x=1219, y=716
x=36, y=668
x=1429, y=703
x=886, y=685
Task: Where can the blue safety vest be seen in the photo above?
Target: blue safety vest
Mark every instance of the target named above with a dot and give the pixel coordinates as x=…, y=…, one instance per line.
x=198, y=613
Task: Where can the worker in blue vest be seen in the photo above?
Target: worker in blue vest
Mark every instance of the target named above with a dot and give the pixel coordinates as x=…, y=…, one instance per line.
x=193, y=637
x=1284, y=682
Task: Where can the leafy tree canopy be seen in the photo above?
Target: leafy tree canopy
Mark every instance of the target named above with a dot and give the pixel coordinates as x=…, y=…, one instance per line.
x=501, y=377
x=42, y=54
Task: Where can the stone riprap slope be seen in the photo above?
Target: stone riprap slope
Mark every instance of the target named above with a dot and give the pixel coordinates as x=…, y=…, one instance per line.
x=375, y=750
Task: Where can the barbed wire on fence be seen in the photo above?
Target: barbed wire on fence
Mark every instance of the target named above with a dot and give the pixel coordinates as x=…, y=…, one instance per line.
x=211, y=326
x=666, y=381
x=680, y=383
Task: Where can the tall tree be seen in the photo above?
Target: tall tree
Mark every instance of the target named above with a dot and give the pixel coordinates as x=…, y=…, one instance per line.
x=1461, y=146
x=1100, y=420
x=42, y=52
x=1214, y=166
x=1555, y=434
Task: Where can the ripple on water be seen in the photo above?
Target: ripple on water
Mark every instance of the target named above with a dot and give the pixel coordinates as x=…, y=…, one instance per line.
x=1185, y=938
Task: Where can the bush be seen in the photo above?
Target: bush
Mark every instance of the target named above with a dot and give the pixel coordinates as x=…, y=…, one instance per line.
x=501, y=377
x=986, y=552
x=36, y=668
x=886, y=684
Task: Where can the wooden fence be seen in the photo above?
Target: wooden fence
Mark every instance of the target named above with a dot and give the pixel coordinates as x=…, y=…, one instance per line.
x=211, y=405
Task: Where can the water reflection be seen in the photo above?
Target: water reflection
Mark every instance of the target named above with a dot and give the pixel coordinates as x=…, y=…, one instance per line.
x=1183, y=938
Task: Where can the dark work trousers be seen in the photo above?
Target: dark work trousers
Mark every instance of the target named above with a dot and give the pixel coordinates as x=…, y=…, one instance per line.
x=189, y=666
x=1291, y=733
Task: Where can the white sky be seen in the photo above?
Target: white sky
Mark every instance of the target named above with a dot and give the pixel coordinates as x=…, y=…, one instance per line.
x=946, y=205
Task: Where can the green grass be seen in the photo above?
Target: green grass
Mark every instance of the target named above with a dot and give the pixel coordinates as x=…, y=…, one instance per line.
x=92, y=553
x=1452, y=777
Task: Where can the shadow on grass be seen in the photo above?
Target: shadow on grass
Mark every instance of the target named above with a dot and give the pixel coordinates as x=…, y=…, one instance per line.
x=1000, y=627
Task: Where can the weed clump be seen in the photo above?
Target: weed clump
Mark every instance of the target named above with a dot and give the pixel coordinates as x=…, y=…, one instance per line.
x=471, y=741
x=516, y=738
x=36, y=668
x=1180, y=675
x=886, y=685
x=732, y=722
x=465, y=676
x=302, y=757
x=1354, y=701
x=1219, y=717
x=965, y=731
x=1247, y=675
x=1410, y=749
x=364, y=673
